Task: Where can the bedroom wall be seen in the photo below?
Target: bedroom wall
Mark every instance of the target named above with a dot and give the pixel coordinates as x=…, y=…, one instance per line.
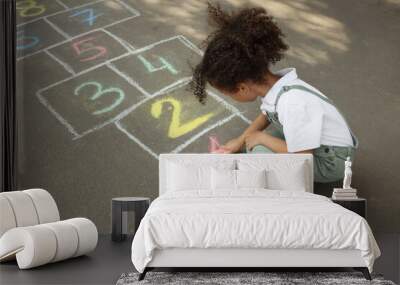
x=87, y=143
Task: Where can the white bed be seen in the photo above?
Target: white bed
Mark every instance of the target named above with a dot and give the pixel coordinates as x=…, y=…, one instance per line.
x=249, y=227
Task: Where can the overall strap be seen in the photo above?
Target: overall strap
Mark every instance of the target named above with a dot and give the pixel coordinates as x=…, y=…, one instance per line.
x=301, y=87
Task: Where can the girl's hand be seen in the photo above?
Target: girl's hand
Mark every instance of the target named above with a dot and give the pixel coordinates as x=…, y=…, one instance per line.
x=253, y=139
x=233, y=145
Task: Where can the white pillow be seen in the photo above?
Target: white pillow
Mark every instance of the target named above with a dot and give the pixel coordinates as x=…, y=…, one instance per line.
x=251, y=178
x=292, y=179
x=281, y=174
x=225, y=179
x=184, y=175
x=181, y=178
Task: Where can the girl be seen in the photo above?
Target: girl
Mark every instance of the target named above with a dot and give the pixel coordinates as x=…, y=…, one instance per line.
x=237, y=62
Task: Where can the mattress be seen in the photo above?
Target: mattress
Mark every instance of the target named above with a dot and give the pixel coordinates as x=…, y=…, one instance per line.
x=250, y=218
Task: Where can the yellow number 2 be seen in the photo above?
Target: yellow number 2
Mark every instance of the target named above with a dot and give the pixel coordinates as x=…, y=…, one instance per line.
x=176, y=128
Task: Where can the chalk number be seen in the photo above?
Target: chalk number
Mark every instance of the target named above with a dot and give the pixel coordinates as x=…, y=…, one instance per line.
x=80, y=48
x=25, y=42
x=89, y=16
x=176, y=127
x=164, y=65
x=29, y=8
x=100, y=92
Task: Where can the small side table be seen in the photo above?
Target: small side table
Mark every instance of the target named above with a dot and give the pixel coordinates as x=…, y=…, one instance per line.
x=119, y=210
x=358, y=206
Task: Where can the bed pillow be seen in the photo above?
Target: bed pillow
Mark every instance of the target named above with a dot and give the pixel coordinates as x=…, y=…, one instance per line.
x=183, y=176
x=292, y=178
x=281, y=175
x=225, y=179
x=251, y=178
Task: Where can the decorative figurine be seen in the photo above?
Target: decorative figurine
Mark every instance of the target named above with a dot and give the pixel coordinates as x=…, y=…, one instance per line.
x=347, y=174
x=347, y=192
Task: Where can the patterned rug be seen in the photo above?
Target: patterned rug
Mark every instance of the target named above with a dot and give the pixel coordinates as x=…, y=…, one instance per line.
x=244, y=278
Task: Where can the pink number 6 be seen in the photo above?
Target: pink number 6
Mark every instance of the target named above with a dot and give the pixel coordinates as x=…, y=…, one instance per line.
x=80, y=49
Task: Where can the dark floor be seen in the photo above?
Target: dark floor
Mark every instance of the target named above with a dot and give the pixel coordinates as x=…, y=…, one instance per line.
x=110, y=260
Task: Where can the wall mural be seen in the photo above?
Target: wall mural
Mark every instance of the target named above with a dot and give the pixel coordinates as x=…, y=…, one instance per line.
x=102, y=90
x=112, y=82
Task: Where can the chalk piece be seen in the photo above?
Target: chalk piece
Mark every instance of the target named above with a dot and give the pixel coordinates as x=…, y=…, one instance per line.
x=29, y=10
x=213, y=144
x=89, y=50
x=166, y=121
x=35, y=36
x=93, y=16
x=159, y=66
x=89, y=101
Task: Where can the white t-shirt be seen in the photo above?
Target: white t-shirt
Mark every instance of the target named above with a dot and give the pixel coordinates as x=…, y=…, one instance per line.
x=308, y=121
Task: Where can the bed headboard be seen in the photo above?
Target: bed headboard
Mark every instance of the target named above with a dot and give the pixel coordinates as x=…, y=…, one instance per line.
x=204, y=158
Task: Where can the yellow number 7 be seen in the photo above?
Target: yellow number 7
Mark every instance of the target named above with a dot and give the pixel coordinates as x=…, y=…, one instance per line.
x=176, y=128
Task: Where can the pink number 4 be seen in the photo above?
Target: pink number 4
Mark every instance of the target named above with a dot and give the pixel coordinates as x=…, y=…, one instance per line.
x=80, y=48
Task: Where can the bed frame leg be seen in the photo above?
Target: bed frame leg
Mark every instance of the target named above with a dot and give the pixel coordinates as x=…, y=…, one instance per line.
x=364, y=271
x=143, y=274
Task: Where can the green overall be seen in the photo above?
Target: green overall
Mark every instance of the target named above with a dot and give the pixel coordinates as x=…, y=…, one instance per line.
x=328, y=160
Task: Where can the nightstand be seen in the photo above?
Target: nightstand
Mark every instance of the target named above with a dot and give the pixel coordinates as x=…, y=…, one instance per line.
x=358, y=206
x=119, y=211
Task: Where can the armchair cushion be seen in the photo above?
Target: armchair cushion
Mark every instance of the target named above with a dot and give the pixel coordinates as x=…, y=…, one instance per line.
x=40, y=244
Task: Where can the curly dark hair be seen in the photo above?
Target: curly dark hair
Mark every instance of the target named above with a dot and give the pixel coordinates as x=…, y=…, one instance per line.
x=242, y=48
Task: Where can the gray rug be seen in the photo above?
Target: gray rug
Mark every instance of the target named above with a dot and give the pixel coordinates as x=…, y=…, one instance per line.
x=243, y=278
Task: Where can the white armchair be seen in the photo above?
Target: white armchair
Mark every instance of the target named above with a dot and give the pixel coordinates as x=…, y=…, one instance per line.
x=31, y=230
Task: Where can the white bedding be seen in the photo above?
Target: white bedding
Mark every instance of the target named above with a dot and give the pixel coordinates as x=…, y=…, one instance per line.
x=251, y=218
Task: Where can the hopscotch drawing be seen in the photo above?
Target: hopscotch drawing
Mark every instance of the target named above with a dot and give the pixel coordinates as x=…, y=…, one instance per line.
x=57, y=22
x=142, y=91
